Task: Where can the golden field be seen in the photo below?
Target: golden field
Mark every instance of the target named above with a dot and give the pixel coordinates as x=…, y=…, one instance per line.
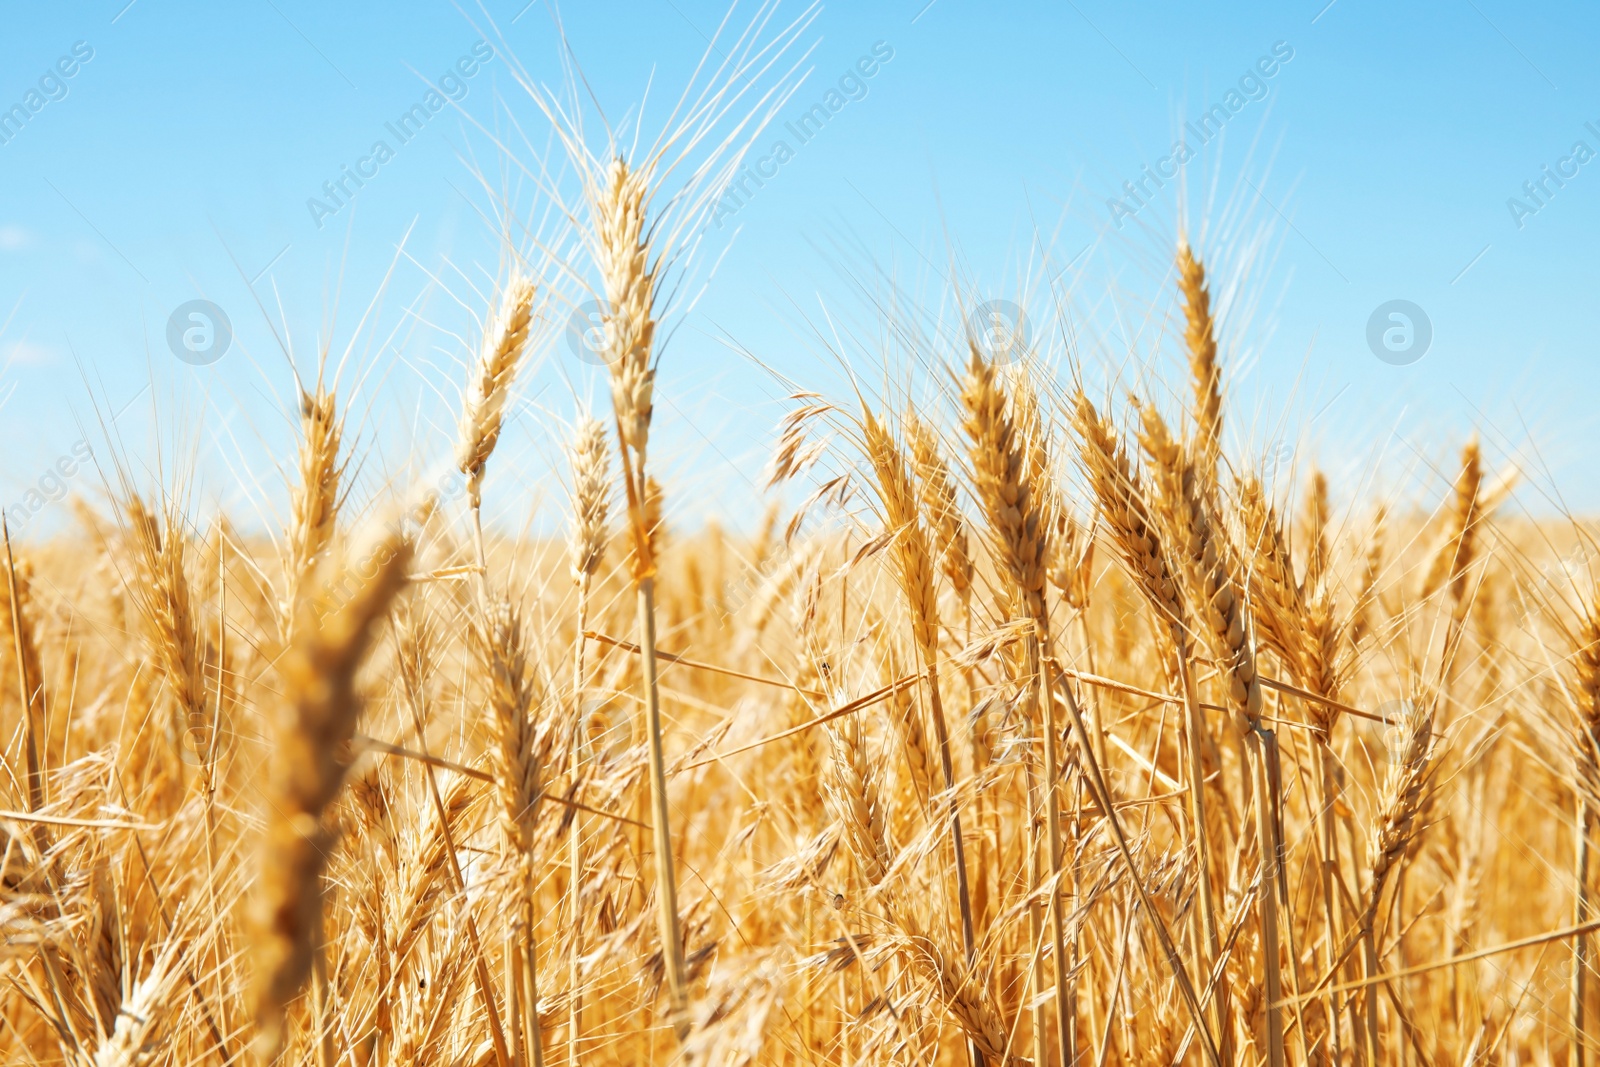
x=1033, y=725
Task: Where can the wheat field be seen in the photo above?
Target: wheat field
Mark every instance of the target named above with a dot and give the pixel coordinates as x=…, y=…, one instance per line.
x=1034, y=723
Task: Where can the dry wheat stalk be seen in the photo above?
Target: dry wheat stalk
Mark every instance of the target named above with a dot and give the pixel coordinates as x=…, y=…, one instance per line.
x=621, y=245
x=415, y=646
x=1302, y=628
x=1018, y=530
x=501, y=645
x=1402, y=808
x=914, y=565
x=1126, y=512
x=30, y=681
x=1217, y=604
x=1585, y=695
x=586, y=546
x=314, y=727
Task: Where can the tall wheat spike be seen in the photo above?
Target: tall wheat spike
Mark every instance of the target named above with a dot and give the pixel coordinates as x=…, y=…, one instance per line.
x=586, y=546
x=914, y=561
x=1200, y=337
x=30, y=681
x=504, y=347
x=1126, y=512
x=1019, y=532
x=1217, y=605
x=501, y=646
x=622, y=252
x=319, y=715
x=1585, y=692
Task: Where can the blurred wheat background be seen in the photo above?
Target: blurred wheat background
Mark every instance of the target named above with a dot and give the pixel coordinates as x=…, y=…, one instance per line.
x=1033, y=723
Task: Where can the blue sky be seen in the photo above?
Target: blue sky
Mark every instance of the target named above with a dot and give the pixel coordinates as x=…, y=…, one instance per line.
x=1374, y=164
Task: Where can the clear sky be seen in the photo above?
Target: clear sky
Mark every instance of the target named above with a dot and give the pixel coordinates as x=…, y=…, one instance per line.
x=1367, y=153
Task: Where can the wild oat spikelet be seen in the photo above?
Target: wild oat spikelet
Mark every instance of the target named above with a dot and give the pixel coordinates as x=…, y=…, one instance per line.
x=938, y=493
x=307, y=767
x=591, y=487
x=628, y=279
x=505, y=340
x=1200, y=336
x=502, y=649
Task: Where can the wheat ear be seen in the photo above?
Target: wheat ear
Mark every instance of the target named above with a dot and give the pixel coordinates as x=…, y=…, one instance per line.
x=30, y=681
x=1402, y=807
x=314, y=498
x=1126, y=513
x=1019, y=531
x=164, y=595
x=622, y=251
x=1217, y=604
x=505, y=340
x=502, y=650
x=1459, y=548
x=1585, y=692
x=1200, y=338
x=586, y=546
x=914, y=562
x=1307, y=637
x=319, y=714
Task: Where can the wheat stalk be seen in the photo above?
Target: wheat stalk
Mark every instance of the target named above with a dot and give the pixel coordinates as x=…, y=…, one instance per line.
x=319, y=715
x=914, y=564
x=1217, y=605
x=1585, y=695
x=586, y=546
x=621, y=243
x=1125, y=511
x=1019, y=531
x=501, y=646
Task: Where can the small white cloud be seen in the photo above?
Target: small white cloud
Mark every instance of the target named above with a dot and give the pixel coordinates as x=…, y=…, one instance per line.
x=28, y=354
x=13, y=237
